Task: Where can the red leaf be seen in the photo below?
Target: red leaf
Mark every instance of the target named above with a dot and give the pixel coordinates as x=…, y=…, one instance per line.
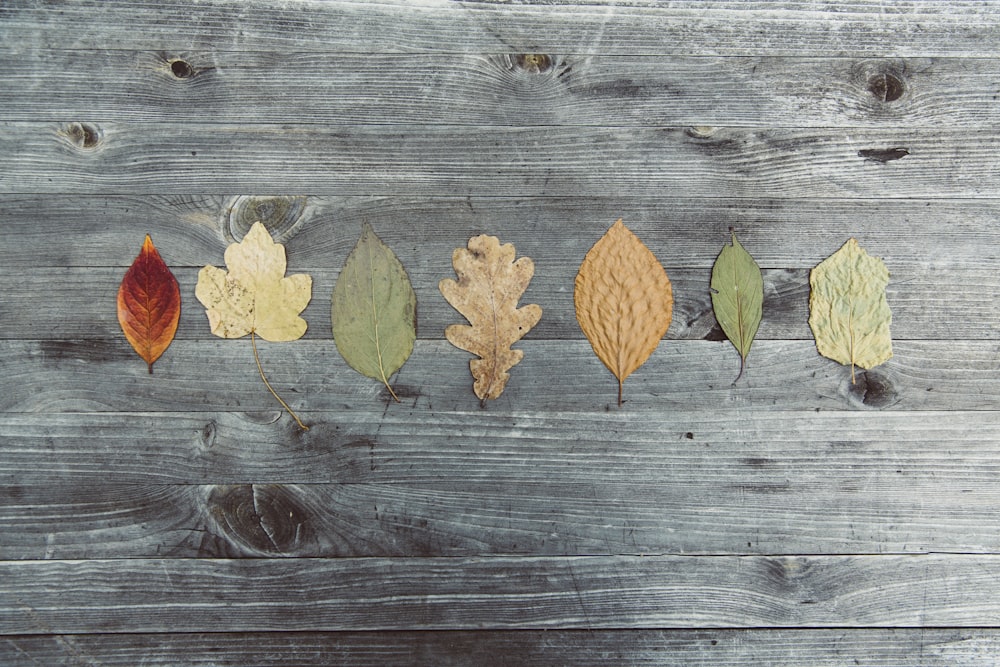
x=149, y=304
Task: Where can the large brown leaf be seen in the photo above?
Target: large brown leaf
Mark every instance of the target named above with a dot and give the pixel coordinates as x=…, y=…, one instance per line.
x=489, y=285
x=623, y=301
x=149, y=304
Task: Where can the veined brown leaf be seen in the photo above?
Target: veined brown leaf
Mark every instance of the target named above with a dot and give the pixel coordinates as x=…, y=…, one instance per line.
x=254, y=297
x=623, y=300
x=149, y=304
x=489, y=285
x=374, y=310
x=737, y=297
x=848, y=312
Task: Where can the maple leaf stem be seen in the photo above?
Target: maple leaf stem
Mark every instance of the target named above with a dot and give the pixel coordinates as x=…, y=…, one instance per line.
x=260, y=369
x=620, y=393
x=150, y=367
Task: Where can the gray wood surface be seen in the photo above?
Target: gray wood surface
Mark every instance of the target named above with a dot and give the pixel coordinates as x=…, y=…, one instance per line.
x=791, y=518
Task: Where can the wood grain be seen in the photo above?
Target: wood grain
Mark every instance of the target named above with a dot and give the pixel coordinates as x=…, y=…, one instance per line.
x=191, y=230
x=960, y=28
x=500, y=90
x=129, y=157
x=180, y=595
x=515, y=648
x=753, y=505
x=370, y=444
x=104, y=375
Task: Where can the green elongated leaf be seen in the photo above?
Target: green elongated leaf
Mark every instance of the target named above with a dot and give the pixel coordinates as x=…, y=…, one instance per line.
x=737, y=297
x=848, y=313
x=374, y=310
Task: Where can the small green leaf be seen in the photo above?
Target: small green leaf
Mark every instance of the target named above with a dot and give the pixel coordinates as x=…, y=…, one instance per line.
x=374, y=310
x=737, y=297
x=848, y=313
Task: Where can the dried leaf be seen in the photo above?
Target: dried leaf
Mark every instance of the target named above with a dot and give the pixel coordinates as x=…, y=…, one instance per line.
x=737, y=297
x=255, y=297
x=623, y=301
x=149, y=304
x=848, y=312
x=489, y=285
x=374, y=310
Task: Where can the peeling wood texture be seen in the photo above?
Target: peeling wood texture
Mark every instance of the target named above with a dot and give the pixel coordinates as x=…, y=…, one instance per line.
x=789, y=519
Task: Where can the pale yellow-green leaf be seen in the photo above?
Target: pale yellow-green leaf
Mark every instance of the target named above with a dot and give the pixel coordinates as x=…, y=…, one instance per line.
x=737, y=297
x=254, y=295
x=848, y=312
x=489, y=285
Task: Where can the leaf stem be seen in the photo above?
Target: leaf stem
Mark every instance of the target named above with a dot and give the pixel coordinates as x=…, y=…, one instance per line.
x=256, y=357
x=620, y=393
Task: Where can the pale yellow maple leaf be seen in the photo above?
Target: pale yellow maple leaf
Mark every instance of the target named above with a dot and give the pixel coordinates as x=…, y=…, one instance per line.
x=254, y=295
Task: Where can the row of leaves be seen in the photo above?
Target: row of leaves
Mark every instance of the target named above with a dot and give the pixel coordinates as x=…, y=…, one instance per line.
x=623, y=300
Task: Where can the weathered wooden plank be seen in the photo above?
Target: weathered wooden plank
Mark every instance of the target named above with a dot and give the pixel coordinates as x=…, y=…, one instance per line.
x=373, y=445
x=508, y=90
x=191, y=230
x=181, y=157
x=751, y=505
x=188, y=595
x=200, y=376
x=887, y=647
x=927, y=303
x=964, y=28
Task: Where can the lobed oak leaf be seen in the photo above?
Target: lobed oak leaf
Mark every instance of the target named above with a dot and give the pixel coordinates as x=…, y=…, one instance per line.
x=489, y=285
x=624, y=301
x=149, y=304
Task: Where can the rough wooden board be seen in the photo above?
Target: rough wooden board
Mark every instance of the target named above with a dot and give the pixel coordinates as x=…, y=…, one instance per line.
x=518, y=648
x=508, y=89
x=200, y=376
x=191, y=230
x=740, y=508
x=902, y=28
x=926, y=303
x=175, y=157
x=188, y=595
x=374, y=445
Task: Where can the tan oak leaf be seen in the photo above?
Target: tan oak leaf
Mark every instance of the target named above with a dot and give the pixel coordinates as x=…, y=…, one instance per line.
x=489, y=285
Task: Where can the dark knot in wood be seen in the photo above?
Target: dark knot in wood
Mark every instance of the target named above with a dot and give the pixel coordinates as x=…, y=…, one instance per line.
x=181, y=69
x=281, y=216
x=872, y=389
x=886, y=87
x=83, y=135
x=533, y=63
x=260, y=518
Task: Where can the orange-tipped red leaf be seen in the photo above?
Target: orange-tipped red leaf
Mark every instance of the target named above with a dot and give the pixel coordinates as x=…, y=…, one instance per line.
x=149, y=304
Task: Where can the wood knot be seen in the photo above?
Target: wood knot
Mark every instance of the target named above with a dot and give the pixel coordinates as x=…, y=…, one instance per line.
x=872, y=389
x=533, y=63
x=886, y=87
x=181, y=69
x=83, y=135
x=281, y=216
x=263, y=519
